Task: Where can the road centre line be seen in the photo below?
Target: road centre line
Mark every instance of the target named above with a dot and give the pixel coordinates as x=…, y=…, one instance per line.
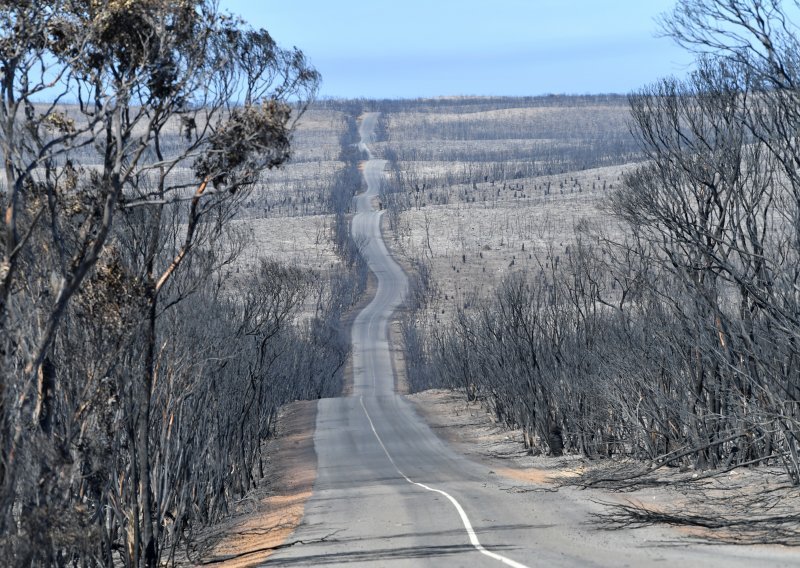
x=473, y=538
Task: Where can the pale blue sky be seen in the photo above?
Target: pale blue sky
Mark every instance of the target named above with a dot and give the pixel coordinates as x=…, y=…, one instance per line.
x=449, y=47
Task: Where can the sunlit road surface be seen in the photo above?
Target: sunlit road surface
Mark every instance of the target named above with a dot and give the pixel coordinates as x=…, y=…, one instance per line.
x=389, y=492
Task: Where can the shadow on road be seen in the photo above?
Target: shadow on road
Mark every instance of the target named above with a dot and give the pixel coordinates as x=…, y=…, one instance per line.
x=358, y=550
x=376, y=557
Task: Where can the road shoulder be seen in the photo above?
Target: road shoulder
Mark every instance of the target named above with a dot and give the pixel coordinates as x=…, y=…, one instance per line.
x=691, y=502
x=266, y=519
x=470, y=430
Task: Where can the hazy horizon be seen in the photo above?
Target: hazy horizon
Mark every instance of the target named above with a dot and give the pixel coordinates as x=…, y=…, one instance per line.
x=449, y=48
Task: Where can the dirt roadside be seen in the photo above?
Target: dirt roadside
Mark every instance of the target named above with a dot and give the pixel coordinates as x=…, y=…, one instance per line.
x=744, y=506
x=265, y=519
x=469, y=428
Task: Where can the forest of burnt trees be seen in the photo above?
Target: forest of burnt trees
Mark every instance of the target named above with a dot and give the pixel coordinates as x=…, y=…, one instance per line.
x=141, y=369
x=676, y=339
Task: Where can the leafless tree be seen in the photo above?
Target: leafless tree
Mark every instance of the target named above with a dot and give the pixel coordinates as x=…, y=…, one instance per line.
x=116, y=198
x=678, y=343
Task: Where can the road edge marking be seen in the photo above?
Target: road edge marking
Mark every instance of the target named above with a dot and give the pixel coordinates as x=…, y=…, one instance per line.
x=473, y=538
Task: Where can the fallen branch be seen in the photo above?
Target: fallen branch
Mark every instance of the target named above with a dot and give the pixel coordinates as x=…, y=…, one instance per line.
x=740, y=524
x=625, y=480
x=227, y=557
x=528, y=489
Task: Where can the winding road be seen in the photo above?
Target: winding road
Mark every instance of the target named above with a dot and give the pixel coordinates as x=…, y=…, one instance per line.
x=389, y=492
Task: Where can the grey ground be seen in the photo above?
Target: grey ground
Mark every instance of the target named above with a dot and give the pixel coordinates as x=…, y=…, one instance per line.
x=365, y=512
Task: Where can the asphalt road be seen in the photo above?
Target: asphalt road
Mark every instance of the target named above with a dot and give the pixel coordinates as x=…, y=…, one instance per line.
x=389, y=492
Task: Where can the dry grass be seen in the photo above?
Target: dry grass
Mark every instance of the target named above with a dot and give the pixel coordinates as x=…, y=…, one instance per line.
x=474, y=209
x=303, y=241
x=472, y=246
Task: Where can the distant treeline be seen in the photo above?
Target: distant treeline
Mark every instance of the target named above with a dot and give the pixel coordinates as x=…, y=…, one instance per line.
x=457, y=105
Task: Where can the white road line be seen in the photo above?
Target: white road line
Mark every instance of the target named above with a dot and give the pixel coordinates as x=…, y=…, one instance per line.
x=473, y=538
